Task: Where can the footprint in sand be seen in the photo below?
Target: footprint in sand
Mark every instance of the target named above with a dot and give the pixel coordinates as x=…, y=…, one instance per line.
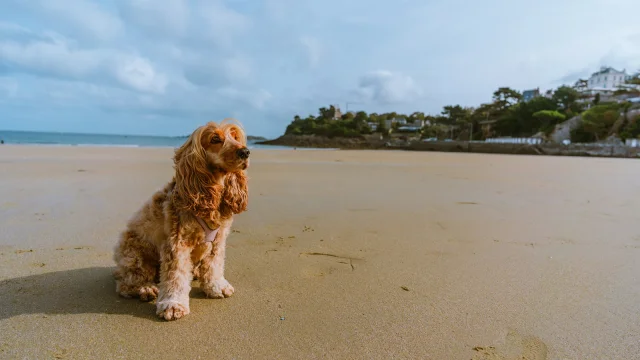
x=515, y=346
x=322, y=264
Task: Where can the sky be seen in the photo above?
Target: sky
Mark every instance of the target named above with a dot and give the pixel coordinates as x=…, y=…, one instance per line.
x=164, y=67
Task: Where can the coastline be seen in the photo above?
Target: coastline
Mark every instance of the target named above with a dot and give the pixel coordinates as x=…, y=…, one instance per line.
x=545, y=149
x=37, y=138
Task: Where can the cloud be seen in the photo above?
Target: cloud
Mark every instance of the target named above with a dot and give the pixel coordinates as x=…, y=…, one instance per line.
x=313, y=50
x=53, y=55
x=167, y=65
x=83, y=18
x=139, y=74
x=622, y=53
x=238, y=68
x=386, y=87
x=50, y=55
x=156, y=18
x=212, y=71
x=257, y=99
x=573, y=76
x=220, y=24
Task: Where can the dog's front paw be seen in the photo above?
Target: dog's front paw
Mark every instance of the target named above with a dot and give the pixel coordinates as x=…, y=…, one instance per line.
x=171, y=310
x=148, y=293
x=218, y=289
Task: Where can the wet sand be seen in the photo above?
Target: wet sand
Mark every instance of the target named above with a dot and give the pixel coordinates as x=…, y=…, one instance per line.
x=342, y=255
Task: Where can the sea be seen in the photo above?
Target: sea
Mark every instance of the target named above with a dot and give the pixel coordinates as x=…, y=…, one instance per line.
x=75, y=139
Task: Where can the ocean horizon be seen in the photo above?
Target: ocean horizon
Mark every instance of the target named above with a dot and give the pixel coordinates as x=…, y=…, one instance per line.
x=17, y=137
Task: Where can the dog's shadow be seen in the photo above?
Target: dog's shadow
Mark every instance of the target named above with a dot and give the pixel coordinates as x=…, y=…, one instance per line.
x=80, y=291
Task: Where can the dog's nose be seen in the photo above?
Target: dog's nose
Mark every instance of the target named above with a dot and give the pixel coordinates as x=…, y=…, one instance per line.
x=243, y=153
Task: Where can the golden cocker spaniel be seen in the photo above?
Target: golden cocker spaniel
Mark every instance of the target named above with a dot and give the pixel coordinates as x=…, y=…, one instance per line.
x=181, y=232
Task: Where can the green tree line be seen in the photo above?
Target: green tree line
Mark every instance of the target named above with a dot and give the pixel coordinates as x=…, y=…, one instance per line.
x=505, y=115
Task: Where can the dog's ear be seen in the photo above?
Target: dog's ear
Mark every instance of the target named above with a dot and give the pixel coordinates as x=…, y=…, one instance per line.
x=195, y=187
x=236, y=192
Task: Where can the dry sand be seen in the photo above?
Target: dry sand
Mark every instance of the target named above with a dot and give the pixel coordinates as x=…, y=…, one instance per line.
x=342, y=255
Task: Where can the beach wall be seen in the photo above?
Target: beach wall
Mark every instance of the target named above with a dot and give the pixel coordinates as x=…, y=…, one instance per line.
x=516, y=148
x=594, y=150
x=509, y=140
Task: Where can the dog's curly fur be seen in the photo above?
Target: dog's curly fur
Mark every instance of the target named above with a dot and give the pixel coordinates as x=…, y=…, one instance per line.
x=163, y=246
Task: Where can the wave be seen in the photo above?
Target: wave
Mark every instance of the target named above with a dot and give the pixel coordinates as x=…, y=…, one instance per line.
x=107, y=145
x=45, y=144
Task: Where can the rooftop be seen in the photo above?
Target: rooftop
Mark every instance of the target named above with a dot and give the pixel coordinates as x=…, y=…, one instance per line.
x=607, y=70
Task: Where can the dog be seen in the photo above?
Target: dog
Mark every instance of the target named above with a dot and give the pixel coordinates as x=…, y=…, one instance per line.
x=180, y=233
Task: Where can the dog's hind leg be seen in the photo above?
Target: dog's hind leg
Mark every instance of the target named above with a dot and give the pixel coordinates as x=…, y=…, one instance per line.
x=136, y=267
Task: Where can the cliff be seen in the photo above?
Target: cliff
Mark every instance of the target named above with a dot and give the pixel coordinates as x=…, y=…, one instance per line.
x=313, y=141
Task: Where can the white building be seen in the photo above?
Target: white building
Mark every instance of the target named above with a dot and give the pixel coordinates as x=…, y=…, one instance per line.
x=607, y=78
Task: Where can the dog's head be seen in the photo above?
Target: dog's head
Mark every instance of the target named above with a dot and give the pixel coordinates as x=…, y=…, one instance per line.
x=215, y=148
x=213, y=156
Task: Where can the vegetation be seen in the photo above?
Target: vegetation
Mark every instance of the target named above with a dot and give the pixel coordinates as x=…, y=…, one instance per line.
x=631, y=129
x=598, y=123
x=506, y=115
x=548, y=119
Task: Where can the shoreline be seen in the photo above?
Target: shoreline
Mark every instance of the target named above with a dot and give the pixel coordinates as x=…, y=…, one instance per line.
x=135, y=146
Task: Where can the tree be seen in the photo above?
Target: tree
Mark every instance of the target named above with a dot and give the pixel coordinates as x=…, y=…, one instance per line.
x=582, y=83
x=382, y=127
x=548, y=119
x=456, y=114
x=416, y=116
x=566, y=97
x=348, y=116
x=361, y=121
x=362, y=116
x=323, y=112
x=483, y=112
x=518, y=120
x=505, y=97
x=434, y=131
x=598, y=120
x=579, y=135
x=430, y=119
x=596, y=99
x=631, y=129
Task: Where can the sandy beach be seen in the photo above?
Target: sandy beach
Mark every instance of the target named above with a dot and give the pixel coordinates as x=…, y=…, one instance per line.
x=341, y=255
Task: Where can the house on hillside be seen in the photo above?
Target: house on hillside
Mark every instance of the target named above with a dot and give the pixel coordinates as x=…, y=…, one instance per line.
x=399, y=120
x=530, y=94
x=604, y=82
x=607, y=78
x=405, y=126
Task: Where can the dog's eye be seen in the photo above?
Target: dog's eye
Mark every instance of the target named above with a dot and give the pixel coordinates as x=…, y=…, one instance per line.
x=216, y=140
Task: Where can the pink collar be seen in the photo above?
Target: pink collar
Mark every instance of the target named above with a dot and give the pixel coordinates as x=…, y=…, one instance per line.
x=209, y=235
